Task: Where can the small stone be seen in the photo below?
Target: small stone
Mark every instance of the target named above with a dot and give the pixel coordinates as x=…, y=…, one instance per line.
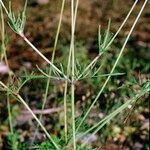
x=86, y=139
x=42, y=2
x=137, y=146
x=116, y=129
x=3, y=68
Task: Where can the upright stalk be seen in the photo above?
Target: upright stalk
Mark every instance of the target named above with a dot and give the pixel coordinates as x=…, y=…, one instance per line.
x=52, y=60
x=9, y=113
x=114, y=66
x=6, y=61
x=65, y=100
x=73, y=75
x=16, y=95
x=109, y=117
x=110, y=42
x=4, y=7
x=68, y=73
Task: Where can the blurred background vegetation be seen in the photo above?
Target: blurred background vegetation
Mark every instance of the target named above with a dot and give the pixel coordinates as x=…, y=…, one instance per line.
x=129, y=130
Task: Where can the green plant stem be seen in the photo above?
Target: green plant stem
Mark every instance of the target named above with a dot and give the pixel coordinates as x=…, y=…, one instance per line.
x=75, y=13
x=2, y=30
x=4, y=7
x=91, y=65
x=3, y=41
x=114, y=66
x=119, y=110
x=109, y=117
x=65, y=101
x=9, y=114
x=49, y=62
x=108, y=45
x=72, y=74
x=47, y=134
x=68, y=73
x=6, y=61
x=34, y=116
x=55, y=44
x=52, y=60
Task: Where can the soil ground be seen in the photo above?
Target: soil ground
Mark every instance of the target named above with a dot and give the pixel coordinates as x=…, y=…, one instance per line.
x=41, y=25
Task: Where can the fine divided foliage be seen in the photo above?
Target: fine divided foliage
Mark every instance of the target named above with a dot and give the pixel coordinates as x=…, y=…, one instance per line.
x=73, y=71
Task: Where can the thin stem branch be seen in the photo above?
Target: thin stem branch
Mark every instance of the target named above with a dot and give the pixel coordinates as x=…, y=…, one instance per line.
x=4, y=7
x=68, y=70
x=109, y=117
x=89, y=66
x=9, y=113
x=29, y=109
x=114, y=66
x=49, y=62
x=52, y=60
x=6, y=61
x=65, y=99
x=110, y=42
x=73, y=74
